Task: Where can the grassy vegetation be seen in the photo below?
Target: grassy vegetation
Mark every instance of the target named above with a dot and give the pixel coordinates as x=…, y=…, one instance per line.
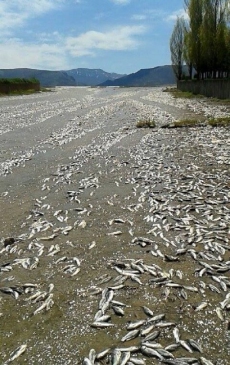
x=187, y=122
x=219, y=122
x=17, y=80
x=146, y=123
x=18, y=86
x=182, y=94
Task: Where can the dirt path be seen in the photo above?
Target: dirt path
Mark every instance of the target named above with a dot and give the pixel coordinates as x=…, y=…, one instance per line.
x=108, y=219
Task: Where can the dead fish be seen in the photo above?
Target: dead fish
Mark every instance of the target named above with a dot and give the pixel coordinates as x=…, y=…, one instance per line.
x=118, y=310
x=172, y=347
x=194, y=345
x=204, y=361
x=101, y=325
x=115, y=233
x=130, y=336
x=117, y=303
x=165, y=324
x=152, y=336
x=147, y=330
x=191, y=288
x=219, y=313
x=156, y=318
x=92, y=245
x=166, y=354
x=92, y=356
x=201, y=306
x=147, y=311
x=82, y=224
x=16, y=353
x=47, y=238
x=151, y=352
x=86, y=361
x=76, y=271
x=134, y=325
x=186, y=346
x=115, y=357
x=136, y=361
x=129, y=349
x=102, y=354
x=125, y=356
x=176, y=334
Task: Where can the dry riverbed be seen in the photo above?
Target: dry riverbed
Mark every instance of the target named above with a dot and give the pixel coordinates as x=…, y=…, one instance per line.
x=115, y=240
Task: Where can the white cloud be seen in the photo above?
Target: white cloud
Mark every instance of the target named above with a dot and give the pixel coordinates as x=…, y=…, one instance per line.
x=117, y=39
x=139, y=17
x=178, y=13
x=15, y=53
x=53, y=51
x=15, y=13
x=121, y=2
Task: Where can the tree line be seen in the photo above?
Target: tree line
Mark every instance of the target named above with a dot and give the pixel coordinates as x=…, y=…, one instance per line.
x=202, y=42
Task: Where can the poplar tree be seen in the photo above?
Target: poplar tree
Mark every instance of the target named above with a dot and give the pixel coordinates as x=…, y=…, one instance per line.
x=177, y=47
x=195, y=11
x=203, y=43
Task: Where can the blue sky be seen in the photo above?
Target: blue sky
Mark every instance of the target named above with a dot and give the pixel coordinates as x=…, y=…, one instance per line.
x=120, y=36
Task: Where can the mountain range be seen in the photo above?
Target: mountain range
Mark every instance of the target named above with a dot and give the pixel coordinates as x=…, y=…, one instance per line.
x=157, y=76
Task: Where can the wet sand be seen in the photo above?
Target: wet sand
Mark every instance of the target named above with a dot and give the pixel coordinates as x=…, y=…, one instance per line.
x=72, y=162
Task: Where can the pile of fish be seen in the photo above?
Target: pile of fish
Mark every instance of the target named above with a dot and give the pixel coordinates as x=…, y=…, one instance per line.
x=123, y=257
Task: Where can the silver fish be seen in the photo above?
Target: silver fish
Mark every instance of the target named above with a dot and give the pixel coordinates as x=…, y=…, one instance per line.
x=204, y=361
x=134, y=325
x=130, y=336
x=124, y=357
x=101, y=325
x=151, y=352
x=194, y=345
x=16, y=353
x=115, y=357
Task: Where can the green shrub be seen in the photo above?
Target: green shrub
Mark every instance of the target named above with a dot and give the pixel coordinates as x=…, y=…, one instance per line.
x=219, y=122
x=186, y=122
x=146, y=123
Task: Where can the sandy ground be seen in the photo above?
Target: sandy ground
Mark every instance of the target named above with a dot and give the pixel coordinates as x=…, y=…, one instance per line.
x=103, y=213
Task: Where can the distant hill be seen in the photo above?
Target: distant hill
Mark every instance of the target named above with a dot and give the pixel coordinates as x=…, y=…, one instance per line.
x=91, y=77
x=46, y=78
x=161, y=75
x=157, y=76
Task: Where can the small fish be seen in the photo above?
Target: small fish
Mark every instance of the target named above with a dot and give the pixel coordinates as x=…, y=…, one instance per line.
x=137, y=361
x=86, y=361
x=129, y=349
x=152, y=336
x=219, y=313
x=194, y=345
x=16, y=353
x=204, y=361
x=134, y=325
x=116, y=356
x=118, y=310
x=92, y=356
x=82, y=224
x=151, y=352
x=186, y=346
x=101, y=325
x=130, y=336
x=48, y=238
x=176, y=334
x=201, y=306
x=102, y=354
x=115, y=233
x=147, y=311
x=125, y=356
x=172, y=347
